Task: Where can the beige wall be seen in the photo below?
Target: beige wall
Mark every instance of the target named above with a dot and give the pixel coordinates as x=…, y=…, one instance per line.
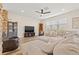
x=24, y=21
x=68, y=16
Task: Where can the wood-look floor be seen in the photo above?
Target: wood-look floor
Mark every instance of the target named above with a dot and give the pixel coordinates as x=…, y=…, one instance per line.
x=21, y=41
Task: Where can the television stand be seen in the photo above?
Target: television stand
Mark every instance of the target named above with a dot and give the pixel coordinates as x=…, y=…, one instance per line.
x=29, y=34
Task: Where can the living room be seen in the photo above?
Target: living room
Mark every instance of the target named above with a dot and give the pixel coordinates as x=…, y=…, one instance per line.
x=35, y=23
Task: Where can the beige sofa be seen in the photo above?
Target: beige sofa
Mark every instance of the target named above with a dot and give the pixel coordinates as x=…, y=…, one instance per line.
x=42, y=46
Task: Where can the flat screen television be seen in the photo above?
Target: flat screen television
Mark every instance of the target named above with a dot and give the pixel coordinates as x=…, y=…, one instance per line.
x=29, y=28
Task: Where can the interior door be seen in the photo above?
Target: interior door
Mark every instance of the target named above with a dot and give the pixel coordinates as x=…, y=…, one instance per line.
x=41, y=32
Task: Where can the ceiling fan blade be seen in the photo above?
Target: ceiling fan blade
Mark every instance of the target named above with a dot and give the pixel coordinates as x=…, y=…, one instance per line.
x=38, y=12
x=46, y=12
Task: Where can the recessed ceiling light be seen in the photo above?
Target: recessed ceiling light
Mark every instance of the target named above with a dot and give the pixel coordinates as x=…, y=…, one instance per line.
x=22, y=11
x=63, y=9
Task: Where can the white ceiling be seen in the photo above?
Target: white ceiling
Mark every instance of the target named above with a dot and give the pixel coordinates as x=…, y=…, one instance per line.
x=28, y=9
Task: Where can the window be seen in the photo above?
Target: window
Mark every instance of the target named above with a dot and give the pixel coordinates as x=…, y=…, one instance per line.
x=56, y=24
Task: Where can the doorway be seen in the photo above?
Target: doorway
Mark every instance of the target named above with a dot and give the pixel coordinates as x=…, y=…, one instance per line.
x=41, y=29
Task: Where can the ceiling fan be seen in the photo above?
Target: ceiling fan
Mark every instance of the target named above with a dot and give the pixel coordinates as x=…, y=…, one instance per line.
x=42, y=11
